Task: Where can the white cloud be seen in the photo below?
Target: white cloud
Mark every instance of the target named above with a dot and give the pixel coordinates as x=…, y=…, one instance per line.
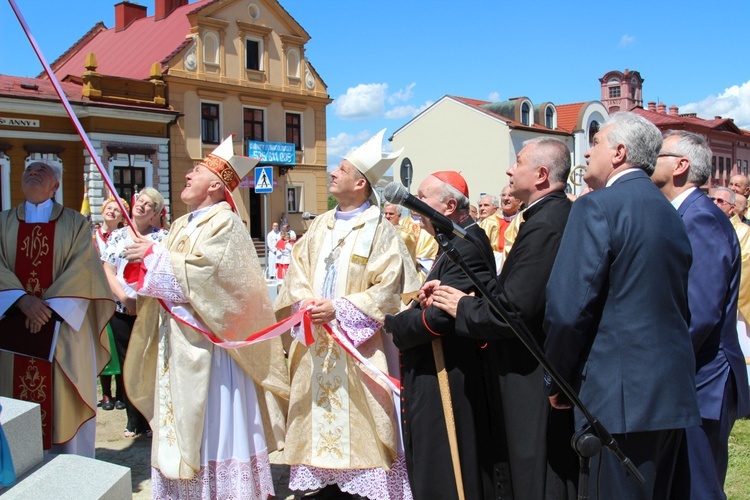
x=402, y=95
x=337, y=147
x=494, y=97
x=626, y=40
x=408, y=111
x=734, y=103
x=366, y=100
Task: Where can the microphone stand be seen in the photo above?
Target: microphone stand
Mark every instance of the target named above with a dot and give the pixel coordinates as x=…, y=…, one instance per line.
x=588, y=440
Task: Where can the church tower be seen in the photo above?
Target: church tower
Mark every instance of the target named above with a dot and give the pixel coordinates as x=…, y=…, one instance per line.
x=621, y=91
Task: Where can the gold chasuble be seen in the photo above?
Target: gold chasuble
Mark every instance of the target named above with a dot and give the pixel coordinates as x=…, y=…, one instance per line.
x=73, y=270
x=490, y=226
x=743, y=234
x=340, y=417
x=168, y=365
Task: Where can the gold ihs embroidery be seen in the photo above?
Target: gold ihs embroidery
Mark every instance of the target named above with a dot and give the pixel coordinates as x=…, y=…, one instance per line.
x=35, y=246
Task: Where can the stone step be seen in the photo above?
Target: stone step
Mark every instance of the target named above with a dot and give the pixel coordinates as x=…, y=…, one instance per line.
x=72, y=477
x=21, y=422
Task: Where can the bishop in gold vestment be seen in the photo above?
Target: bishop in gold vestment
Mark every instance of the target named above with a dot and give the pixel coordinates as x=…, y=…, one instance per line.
x=351, y=266
x=216, y=412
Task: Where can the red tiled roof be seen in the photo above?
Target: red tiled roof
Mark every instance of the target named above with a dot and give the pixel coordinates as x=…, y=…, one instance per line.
x=677, y=121
x=131, y=52
x=567, y=115
x=42, y=90
x=10, y=86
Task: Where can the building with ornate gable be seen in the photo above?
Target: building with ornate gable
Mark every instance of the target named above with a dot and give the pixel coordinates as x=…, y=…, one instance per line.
x=231, y=67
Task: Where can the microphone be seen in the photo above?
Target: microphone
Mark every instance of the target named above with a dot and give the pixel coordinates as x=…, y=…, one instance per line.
x=308, y=216
x=398, y=195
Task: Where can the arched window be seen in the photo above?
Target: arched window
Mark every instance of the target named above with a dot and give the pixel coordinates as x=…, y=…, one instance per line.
x=210, y=48
x=525, y=112
x=549, y=117
x=593, y=129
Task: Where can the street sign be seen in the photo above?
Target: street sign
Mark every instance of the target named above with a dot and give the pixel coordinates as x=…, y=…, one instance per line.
x=263, y=180
x=274, y=153
x=406, y=172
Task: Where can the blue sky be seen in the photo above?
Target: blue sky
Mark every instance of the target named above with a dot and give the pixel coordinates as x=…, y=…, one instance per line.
x=387, y=60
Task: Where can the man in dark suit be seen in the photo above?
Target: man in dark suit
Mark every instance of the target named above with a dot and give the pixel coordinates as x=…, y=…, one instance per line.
x=428, y=455
x=537, y=179
x=683, y=166
x=617, y=311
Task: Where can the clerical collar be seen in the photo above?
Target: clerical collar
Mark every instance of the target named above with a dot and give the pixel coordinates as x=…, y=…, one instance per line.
x=508, y=218
x=196, y=215
x=341, y=215
x=39, y=213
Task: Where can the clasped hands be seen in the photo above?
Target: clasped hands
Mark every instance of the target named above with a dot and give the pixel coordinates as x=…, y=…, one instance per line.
x=37, y=312
x=443, y=297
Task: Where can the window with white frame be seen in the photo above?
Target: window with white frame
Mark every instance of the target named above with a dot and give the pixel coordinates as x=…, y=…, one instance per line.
x=253, y=125
x=52, y=160
x=130, y=173
x=293, y=198
x=4, y=181
x=549, y=117
x=294, y=130
x=210, y=120
x=254, y=53
x=211, y=48
x=526, y=113
x=292, y=63
x=593, y=130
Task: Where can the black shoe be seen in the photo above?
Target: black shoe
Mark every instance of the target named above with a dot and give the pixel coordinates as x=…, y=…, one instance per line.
x=107, y=404
x=120, y=405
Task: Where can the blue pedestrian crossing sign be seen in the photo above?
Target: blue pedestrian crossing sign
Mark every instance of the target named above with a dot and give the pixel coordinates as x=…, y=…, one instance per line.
x=263, y=180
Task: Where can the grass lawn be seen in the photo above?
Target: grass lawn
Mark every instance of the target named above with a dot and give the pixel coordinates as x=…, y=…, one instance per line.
x=737, y=485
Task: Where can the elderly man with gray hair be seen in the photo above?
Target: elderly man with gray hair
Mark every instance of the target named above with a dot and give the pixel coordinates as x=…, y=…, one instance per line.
x=617, y=317
x=425, y=432
x=684, y=164
x=64, y=286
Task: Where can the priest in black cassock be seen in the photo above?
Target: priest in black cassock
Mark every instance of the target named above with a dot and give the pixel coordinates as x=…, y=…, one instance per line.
x=428, y=454
x=542, y=463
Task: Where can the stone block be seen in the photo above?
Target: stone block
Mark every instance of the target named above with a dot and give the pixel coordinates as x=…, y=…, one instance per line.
x=72, y=477
x=22, y=423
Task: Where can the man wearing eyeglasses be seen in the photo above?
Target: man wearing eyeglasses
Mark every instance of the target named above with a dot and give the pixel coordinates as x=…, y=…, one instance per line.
x=684, y=165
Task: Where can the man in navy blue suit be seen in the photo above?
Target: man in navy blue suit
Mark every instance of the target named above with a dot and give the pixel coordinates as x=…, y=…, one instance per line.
x=617, y=311
x=683, y=166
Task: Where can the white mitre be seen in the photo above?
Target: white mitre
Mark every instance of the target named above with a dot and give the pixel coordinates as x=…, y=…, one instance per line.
x=370, y=161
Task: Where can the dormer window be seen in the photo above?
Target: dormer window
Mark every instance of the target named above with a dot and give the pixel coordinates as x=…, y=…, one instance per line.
x=549, y=117
x=525, y=113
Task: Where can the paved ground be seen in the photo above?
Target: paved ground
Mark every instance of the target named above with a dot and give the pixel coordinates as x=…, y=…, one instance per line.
x=135, y=453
